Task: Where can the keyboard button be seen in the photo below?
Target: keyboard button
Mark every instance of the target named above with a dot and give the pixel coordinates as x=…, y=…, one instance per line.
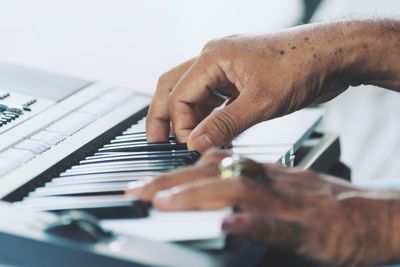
x=97, y=108
x=19, y=155
x=7, y=165
x=117, y=96
x=36, y=147
x=72, y=123
x=50, y=138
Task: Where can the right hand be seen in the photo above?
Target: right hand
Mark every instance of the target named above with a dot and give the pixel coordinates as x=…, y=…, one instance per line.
x=267, y=76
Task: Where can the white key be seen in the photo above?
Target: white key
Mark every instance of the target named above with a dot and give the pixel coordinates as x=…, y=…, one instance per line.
x=7, y=165
x=36, y=147
x=97, y=108
x=19, y=155
x=50, y=138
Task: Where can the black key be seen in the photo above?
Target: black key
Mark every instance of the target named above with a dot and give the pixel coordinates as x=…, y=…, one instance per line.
x=142, y=153
x=128, y=143
x=126, y=163
x=188, y=158
x=116, y=169
x=145, y=147
x=127, y=139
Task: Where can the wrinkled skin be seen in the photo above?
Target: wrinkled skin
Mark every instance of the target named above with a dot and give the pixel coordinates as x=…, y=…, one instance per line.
x=267, y=76
x=244, y=68
x=317, y=216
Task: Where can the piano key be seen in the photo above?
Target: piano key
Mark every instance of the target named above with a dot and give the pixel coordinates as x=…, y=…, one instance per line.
x=123, y=168
x=123, y=136
x=84, y=180
x=92, y=188
x=187, y=157
x=136, y=129
x=120, y=170
x=146, y=147
x=99, y=176
x=142, y=153
x=128, y=138
x=133, y=163
x=128, y=143
x=109, y=206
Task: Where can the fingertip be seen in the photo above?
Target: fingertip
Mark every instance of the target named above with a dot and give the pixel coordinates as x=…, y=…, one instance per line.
x=157, y=131
x=200, y=143
x=235, y=224
x=163, y=200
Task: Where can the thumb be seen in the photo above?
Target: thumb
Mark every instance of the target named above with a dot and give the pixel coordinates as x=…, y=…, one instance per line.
x=220, y=127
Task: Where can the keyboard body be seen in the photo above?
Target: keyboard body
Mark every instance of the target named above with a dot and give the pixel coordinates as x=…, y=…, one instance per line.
x=63, y=138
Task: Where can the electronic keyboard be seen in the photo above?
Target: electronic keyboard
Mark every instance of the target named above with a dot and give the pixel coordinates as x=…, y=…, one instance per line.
x=68, y=144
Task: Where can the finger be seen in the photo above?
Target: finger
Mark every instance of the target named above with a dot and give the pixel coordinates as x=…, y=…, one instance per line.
x=213, y=155
x=214, y=193
x=158, y=118
x=146, y=191
x=267, y=229
x=194, y=89
x=221, y=126
x=209, y=193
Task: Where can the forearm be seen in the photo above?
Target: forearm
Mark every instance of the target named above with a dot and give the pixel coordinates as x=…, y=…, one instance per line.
x=371, y=53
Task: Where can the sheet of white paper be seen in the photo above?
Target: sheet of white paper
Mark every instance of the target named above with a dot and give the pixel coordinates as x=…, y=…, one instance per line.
x=172, y=226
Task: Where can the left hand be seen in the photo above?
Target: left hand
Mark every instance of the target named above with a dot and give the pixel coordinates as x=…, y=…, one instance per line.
x=314, y=215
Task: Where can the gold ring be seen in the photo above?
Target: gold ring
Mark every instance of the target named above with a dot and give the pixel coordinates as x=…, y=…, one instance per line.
x=236, y=166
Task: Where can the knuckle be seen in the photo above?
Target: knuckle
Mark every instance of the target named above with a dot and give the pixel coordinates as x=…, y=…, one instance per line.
x=212, y=44
x=219, y=43
x=207, y=58
x=164, y=82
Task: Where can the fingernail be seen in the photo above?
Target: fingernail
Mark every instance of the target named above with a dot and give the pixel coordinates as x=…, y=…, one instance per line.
x=164, y=194
x=134, y=188
x=202, y=143
x=228, y=223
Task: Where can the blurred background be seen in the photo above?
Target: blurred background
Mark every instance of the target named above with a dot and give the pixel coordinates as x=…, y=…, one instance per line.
x=131, y=43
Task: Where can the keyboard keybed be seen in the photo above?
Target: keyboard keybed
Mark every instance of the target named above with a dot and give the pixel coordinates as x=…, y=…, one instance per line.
x=97, y=183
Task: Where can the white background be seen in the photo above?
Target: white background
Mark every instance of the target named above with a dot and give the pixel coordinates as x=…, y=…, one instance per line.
x=127, y=42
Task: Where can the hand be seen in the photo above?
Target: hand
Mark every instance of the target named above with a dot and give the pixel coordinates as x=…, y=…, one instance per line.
x=317, y=216
x=265, y=76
